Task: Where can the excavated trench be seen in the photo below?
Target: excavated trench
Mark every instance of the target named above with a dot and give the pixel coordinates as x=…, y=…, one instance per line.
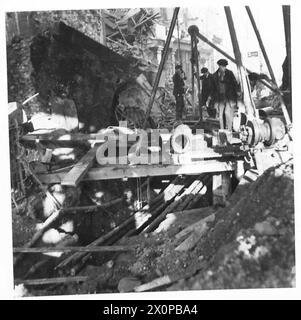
x=97, y=88
x=58, y=70
x=249, y=243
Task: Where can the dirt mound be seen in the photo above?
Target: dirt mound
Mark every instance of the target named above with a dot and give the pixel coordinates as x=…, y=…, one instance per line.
x=249, y=245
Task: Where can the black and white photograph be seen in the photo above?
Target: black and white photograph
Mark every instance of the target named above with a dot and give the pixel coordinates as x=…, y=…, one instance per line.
x=150, y=148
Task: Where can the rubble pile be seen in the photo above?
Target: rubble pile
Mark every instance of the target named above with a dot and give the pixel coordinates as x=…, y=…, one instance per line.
x=20, y=74
x=128, y=30
x=89, y=22
x=252, y=243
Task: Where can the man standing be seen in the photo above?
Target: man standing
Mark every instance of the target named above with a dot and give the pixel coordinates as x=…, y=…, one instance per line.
x=225, y=93
x=207, y=86
x=179, y=90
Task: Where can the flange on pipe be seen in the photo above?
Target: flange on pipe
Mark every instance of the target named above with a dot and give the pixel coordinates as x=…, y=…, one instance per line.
x=269, y=131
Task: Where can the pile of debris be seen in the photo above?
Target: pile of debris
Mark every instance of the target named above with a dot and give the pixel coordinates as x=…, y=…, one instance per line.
x=89, y=22
x=19, y=74
x=128, y=32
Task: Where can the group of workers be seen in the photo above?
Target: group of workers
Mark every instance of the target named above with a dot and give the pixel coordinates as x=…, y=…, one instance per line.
x=220, y=92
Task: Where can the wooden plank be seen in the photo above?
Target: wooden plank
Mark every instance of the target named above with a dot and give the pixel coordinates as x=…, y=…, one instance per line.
x=78, y=255
x=37, y=282
x=198, y=229
x=73, y=249
x=46, y=158
x=135, y=171
x=169, y=279
x=192, y=240
x=45, y=226
x=76, y=174
x=175, y=205
x=92, y=207
x=159, y=282
x=203, y=212
x=63, y=137
x=12, y=108
x=195, y=226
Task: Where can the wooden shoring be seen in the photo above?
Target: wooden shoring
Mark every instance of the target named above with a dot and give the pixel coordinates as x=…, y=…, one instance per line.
x=92, y=207
x=78, y=255
x=73, y=249
x=221, y=188
x=46, y=281
x=161, y=65
x=77, y=173
x=177, y=205
x=167, y=201
x=135, y=171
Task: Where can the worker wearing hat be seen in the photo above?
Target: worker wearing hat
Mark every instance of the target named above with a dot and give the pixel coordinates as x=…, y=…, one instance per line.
x=225, y=92
x=207, y=85
x=179, y=90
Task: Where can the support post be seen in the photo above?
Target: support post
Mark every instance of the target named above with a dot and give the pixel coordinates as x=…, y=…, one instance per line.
x=287, y=29
x=195, y=66
x=267, y=61
x=161, y=65
x=262, y=47
x=244, y=83
x=159, y=54
x=192, y=75
x=221, y=188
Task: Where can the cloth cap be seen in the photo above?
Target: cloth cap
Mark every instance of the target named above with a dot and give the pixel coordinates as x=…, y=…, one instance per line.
x=222, y=62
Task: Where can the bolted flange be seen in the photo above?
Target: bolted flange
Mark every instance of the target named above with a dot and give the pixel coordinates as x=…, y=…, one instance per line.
x=268, y=132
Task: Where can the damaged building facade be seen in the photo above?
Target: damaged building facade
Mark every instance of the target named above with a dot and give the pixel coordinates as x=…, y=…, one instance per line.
x=31, y=39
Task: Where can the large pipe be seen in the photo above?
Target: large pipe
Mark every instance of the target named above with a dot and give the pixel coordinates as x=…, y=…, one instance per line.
x=161, y=65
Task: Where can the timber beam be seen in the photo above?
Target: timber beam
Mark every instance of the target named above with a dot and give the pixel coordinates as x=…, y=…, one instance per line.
x=134, y=171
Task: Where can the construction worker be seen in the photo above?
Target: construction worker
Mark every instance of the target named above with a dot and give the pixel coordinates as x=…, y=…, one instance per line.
x=179, y=90
x=225, y=92
x=207, y=85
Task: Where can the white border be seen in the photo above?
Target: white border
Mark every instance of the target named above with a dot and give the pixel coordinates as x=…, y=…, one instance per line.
x=6, y=276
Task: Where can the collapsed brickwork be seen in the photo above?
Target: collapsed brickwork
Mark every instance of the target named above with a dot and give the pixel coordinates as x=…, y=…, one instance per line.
x=41, y=61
